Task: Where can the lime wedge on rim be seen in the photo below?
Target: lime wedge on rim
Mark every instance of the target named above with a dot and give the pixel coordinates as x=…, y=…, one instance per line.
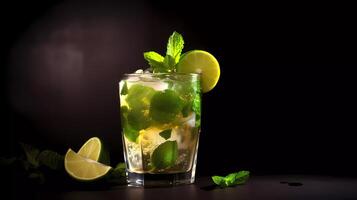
x=201, y=62
x=84, y=169
x=94, y=149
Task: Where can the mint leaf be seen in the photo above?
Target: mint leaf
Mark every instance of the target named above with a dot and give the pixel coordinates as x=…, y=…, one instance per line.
x=137, y=119
x=232, y=179
x=166, y=134
x=118, y=175
x=218, y=180
x=237, y=178
x=165, y=106
x=130, y=133
x=174, y=47
x=153, y=58
x=186, y=109
x=124, y=89
x=169, y=63
x=160, y=64
x=156, y=61
x=51, y=159
x=119, y=170
x=31, y=154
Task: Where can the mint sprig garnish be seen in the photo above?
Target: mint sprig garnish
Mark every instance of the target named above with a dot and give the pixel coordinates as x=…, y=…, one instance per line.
x=232, y=179
x=160, y=64
x=156, y=61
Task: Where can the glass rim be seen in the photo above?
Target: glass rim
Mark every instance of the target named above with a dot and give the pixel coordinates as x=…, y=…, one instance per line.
x=163, y=73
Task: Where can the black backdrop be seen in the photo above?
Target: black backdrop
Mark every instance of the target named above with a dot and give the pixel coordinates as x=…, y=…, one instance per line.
x=283, y=103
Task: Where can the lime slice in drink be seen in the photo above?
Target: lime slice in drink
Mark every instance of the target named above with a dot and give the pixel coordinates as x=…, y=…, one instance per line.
x=201, y=62
x=94, y=149
x=165, y=155
x=82, y=168
x=139, y=96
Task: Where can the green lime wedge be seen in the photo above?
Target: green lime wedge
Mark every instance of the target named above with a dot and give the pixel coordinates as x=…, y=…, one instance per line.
x=139, y=96
x=165, y=155
x=165, y=106
x=201, y=62
x=84, y=169
x=94, y=149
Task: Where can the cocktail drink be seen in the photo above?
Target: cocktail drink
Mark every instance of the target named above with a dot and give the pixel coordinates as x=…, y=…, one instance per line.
x=161, y=115
x=160, y=111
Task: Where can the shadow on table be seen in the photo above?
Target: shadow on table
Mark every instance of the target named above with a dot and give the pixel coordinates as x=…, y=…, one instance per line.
x=209, y=187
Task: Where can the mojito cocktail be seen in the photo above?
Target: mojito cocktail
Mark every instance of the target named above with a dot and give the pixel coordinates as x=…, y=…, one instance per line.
x=161, y=114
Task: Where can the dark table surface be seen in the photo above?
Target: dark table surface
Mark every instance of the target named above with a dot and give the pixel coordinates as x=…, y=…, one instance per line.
x=258, y=187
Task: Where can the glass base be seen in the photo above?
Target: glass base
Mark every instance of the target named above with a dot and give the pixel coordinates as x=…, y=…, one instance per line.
x=160, y=180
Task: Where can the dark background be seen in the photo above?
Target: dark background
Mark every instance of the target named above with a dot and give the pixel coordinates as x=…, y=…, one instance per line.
x=283, y=104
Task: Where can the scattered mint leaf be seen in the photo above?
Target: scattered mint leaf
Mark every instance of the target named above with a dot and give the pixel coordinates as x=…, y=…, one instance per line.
x=237, y=178
x=119, y=170
x=218, y=180
x=174, y=47
x=232, y=179
x=31, y=154
x=51, y=159
x=35, y=162
x=35, y=158
x=124, y=90
x=118, y=175
x=166, y=134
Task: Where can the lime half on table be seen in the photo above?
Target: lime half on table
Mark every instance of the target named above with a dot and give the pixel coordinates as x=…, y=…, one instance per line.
x=84, y=169
x=201, y=62
x=94, y=149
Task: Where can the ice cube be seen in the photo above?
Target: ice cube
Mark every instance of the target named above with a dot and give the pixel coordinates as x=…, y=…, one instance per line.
x=133, y=154
x=148, y=71
x=159, y=86
x=190, y=120
x=139, y=71
x=132, y=79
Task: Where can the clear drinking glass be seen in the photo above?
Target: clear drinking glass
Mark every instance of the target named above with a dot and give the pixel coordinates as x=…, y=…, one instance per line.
x=161, y=119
